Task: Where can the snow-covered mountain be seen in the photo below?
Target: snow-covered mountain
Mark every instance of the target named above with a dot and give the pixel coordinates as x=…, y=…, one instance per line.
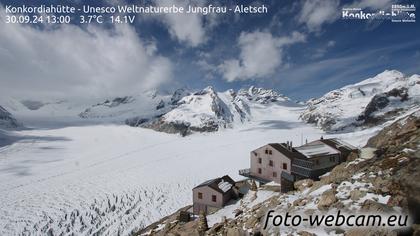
x=146, y=105
x=208, y=110
x=368, y=103
x=7, y=121
x=185, y=111
x=182, y=111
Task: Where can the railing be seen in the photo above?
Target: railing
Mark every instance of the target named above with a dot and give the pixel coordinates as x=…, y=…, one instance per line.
x=301, y=171
x=303, y=163
x=309, y=173
x=247, y=173
x=287, y=176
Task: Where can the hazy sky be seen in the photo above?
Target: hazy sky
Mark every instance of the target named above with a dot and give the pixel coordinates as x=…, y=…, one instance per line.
x=300, y=48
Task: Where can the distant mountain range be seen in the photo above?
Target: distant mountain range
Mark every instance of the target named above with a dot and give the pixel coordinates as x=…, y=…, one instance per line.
x=368, y=103
x=186, y=111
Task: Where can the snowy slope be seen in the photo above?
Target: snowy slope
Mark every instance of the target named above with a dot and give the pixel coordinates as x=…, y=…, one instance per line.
x=47, y=113
x=64, y=112
x=7, y=121
x=367, y=103
x=146, y=105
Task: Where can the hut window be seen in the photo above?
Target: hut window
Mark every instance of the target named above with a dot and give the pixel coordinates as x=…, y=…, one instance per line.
x=284, y=166
x=259, y=160
x=270, y=152
x=213, y=198
x=316, y=162
x=266, y=151
x=271, y=163
x=259, y=170
x=274, y=174
x=332, y=159
x=200, y=195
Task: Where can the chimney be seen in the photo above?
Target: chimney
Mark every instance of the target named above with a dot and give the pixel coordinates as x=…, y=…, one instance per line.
x=322, y=137
x=287, y=144
x=306, y=141
x=291, y=145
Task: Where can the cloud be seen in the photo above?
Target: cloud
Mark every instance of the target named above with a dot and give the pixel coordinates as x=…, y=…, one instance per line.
x=70, y=61
x=321, y=51
x=261, y=54
x=372, y=4
x=314, y=14
x=312, y=79
x=186, y=28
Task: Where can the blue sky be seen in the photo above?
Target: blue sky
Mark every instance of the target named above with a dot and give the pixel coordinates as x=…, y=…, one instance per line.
x=300, y=48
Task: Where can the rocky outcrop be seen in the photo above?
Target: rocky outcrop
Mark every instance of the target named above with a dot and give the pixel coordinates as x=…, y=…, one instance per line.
x=398, y=149
x=182, y=128
x=160, y=105
x=178, y=95
x=381, y=101
x=401, y=131
x=7, y=121
x=202, y=222
x=260, y=95
x=327, y=199
x=303, y=184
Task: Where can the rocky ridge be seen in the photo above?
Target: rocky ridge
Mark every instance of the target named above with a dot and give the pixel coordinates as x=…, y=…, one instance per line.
x=7, y=121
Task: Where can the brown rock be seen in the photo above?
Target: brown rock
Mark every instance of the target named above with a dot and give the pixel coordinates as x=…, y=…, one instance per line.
x=356, y=194
x=253, y=186
x=416, y=229
x=238, y=212
x=299, y=202
x=369, y=232
x=303, y=184
x=202, y=222
x=372, y=206
x=251, y=222
x=234, y=232
x=352, y=156
x=305, y=233
x=327, y=199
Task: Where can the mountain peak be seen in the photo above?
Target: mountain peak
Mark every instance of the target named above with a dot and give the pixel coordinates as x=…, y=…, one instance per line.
x=369, y=102
x=390, y=73
x=262, y=95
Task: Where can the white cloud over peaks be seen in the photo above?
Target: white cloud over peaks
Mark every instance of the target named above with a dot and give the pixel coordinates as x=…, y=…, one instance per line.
x=261, y=54
x=70, y=61
x=186, y=28
x=315, y=13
